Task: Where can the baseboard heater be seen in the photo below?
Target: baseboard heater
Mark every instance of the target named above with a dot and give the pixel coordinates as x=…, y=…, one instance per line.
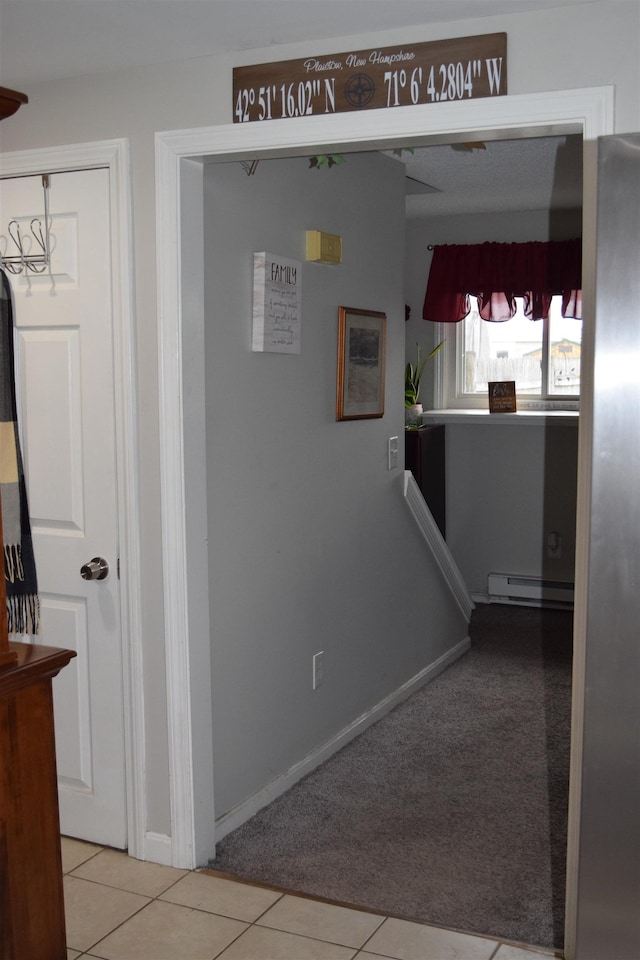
x=509, y=588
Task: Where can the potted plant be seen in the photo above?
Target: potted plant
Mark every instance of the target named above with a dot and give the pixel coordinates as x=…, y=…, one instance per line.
x=412, y=380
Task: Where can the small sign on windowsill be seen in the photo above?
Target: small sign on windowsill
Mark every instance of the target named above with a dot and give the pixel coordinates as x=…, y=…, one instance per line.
x=502, y=396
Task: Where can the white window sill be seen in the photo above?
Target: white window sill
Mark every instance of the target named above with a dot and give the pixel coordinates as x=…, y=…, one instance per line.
x=521, y=418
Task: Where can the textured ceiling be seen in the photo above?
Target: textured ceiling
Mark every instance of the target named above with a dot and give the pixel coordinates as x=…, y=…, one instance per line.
x=537, y=174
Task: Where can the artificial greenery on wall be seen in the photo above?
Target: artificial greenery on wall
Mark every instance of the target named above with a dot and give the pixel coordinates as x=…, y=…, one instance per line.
x=326, y=160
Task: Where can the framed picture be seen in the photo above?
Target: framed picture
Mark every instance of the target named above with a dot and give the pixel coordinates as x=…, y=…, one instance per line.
x=361, y=362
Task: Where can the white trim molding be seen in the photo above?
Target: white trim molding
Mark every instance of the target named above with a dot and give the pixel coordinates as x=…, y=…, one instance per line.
x=522, y=418
x=157, y=848
x=586, y=111
x=184, y=506
x=115, y=156
x=172, y=466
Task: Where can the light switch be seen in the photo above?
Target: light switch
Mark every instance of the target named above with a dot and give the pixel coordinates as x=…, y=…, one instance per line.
x=392, y=453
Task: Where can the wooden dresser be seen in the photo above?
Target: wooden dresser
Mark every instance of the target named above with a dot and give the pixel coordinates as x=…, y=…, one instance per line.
x=424, y=455
x=31, y=898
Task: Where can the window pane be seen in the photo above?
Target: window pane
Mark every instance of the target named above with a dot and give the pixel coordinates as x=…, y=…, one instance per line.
x=502, y=351
x=514, y=350
x=565, y=337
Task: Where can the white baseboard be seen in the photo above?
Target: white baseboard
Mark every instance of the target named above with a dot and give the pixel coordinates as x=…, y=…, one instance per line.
x=248, y=808
x=481, y=598
x=157, y=848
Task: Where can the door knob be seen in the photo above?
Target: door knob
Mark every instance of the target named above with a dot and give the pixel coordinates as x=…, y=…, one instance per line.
x=96, y=569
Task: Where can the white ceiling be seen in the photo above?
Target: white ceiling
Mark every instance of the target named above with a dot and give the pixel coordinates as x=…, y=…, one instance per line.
x=46, y=40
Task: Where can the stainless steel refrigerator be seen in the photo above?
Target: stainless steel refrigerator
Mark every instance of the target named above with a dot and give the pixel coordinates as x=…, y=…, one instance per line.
x=604, y=848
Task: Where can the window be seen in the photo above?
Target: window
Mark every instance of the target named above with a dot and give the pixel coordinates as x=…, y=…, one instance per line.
x=542, y=356
x=500, y=307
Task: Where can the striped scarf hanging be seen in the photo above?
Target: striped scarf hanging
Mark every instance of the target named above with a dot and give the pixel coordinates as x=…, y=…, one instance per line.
x=23, y=606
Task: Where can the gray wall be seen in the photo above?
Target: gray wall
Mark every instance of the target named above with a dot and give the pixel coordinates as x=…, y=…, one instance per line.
x=311, y=544
x=507, y=488
x=508, y=485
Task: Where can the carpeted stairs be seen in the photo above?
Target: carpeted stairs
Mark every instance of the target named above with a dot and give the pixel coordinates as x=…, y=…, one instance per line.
x=451, y=809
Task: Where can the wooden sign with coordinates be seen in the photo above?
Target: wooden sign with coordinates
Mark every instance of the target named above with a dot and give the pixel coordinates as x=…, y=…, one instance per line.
x=464, y=68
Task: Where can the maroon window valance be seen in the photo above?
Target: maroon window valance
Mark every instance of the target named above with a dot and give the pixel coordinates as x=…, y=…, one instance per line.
x=497, y=273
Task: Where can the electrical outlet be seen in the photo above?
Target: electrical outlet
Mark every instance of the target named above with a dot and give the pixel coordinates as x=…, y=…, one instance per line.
x=318, y=669
x=392, y=453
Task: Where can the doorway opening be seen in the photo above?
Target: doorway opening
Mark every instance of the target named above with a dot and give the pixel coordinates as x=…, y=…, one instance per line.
x=227, y=191
x=179, y=159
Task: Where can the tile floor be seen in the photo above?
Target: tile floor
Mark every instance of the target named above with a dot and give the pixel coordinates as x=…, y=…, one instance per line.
x=122, y=909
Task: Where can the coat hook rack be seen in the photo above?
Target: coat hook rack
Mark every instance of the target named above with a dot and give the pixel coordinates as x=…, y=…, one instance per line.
x=38, y=238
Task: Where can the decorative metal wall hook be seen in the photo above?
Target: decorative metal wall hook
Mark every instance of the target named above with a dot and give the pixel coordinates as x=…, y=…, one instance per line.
x=38, y=238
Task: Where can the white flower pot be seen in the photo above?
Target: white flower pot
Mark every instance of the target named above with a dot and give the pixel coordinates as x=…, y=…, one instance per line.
x=413, y=415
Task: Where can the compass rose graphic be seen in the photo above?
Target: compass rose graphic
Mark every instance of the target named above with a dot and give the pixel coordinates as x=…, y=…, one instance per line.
x=359, y=90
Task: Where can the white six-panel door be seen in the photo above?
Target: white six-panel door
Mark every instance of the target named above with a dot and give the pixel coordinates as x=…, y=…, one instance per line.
x=64, y=361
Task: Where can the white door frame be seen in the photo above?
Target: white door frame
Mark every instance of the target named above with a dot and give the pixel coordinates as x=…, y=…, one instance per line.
x=181, y=334
x=114, y=155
